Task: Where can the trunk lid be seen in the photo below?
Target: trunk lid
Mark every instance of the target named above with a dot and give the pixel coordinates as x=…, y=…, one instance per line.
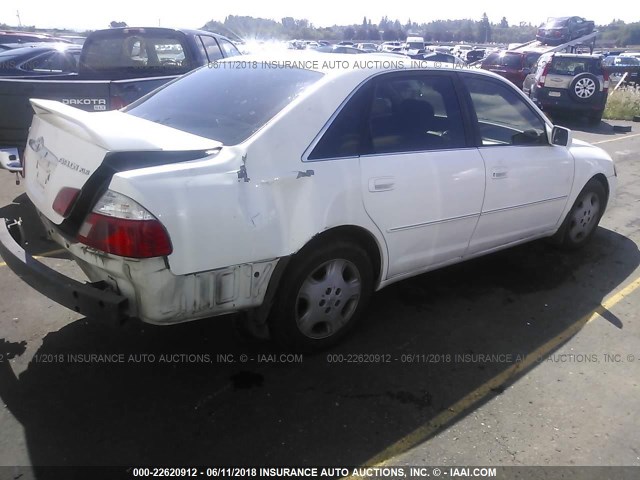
x=67, y=145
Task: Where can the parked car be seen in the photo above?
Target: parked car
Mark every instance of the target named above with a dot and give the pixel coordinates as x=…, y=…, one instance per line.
x=563, y=29
x=335, y=183
x=514, y=66
x=474, y=55
x=569, y=82
x=619, y=67
x=48, y=59
x=8, y=36
x=339, y=49
x=389, y=46
x=116, y=67
x=461, y=50
x=438, y=58
x=367, y=47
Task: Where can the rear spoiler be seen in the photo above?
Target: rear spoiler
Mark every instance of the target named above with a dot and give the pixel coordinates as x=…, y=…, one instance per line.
x=117, y=131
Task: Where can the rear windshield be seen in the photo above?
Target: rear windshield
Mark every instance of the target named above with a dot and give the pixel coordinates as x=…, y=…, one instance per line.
x=511, y=60
x=574, y=66
x=134, y=49
x=224, y=104
x=558, y=22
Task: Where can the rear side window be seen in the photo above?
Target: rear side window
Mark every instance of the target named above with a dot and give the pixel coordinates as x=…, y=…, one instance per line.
x=396, y=114
x=504, y=117
x=212, y=48
x=415, y=113
x=344, y=136
x=225, y=104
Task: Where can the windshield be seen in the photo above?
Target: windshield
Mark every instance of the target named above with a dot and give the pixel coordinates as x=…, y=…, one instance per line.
x=224, y=104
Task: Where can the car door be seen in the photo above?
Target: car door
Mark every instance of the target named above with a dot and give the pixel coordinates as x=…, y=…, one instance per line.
x=528, y=180
x=422, y=181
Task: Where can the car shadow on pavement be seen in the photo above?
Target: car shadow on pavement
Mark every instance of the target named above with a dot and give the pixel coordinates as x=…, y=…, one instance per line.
x=193, y=394
x=579, y=123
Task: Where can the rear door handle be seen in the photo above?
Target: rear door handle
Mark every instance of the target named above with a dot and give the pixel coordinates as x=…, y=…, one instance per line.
x=382, y=184
x=499, y=172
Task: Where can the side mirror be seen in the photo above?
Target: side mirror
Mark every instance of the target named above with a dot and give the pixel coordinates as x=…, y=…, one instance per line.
x=561, y=136
x=9, y=160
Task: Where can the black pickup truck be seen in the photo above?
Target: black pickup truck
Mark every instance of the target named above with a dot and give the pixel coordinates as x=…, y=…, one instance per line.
x=116, y=67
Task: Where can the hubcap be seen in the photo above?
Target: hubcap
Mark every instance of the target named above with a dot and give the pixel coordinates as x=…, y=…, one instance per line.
x=328, y=298
x=584, y=217
x=585, y=87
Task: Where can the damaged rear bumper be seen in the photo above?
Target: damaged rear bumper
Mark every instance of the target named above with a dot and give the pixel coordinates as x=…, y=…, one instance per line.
x=90, y=299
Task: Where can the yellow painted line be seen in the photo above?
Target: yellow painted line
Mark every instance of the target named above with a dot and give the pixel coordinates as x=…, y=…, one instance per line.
x=44, y=255
x=424, y=432
x=616, y=139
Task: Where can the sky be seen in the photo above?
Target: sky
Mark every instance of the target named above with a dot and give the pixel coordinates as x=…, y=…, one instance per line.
x=84, y=14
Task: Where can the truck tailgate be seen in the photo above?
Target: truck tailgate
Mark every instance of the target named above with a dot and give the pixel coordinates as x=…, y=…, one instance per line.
x=16, y=113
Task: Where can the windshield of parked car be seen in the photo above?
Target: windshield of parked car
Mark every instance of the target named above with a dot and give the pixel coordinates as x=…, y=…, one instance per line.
x=224, y=104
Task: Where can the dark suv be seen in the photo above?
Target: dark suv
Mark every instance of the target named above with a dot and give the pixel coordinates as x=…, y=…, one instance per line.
x=514, y=66
x=569, y=82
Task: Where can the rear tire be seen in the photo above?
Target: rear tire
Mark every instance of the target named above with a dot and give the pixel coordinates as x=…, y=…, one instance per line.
x=322, y=295
x=583, y=218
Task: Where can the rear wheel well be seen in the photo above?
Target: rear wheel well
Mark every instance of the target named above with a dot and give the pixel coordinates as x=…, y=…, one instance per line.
x=357, y=235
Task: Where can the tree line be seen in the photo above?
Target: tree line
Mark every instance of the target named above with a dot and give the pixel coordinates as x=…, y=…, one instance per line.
x=467, y=30
x=616, y=33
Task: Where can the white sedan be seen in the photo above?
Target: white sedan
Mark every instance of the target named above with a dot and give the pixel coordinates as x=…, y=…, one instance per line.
x=291, y=189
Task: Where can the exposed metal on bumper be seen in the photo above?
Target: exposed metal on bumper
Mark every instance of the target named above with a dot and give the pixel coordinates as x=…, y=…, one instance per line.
x=90, y=299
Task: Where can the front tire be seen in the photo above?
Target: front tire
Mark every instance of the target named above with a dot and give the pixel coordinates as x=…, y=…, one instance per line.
x=583, y=218
x=321, y=297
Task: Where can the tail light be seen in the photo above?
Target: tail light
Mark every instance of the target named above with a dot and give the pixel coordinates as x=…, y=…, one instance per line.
x=117, y=102
x=605, y=76
x=545, y=71
x=64, y=201
x=120, y=226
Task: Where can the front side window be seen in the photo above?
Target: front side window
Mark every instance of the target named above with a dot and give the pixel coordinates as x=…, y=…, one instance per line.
x=228, y=48
x=504, y=117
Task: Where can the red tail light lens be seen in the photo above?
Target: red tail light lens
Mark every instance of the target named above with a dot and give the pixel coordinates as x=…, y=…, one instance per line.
x=64, y=201
x=120, y=226
x=545, y=71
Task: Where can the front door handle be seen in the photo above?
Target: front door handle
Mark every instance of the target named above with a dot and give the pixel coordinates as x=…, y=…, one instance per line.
x=382, y=184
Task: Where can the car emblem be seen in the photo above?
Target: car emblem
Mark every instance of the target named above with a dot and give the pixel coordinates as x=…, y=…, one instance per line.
x=47, y=161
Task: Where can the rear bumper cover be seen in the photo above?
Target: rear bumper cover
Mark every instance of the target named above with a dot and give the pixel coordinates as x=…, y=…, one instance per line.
x=90, y=299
